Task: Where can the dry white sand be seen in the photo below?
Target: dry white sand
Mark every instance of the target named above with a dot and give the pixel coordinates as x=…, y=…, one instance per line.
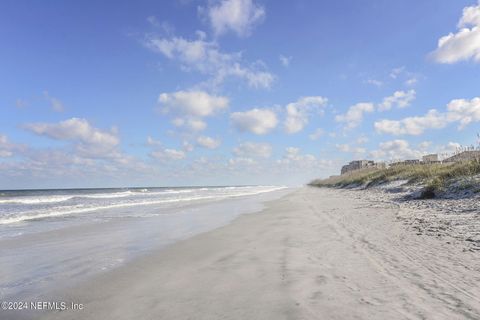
x=314, y=254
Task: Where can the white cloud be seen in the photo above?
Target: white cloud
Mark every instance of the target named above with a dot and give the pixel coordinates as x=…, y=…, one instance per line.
x=464, y=111
x=257, y=121
x=253, y=150
x=354, y=115
x=239, y=16
x=55, y=103
x=91, y=142
x=463, y=45
x=190, y=124
x=208, y=142
x=298, y=112
x=293, y=159
x=78, y=164
x=400, y=99
x=168, y=154
x=192, y=103
x=285, y=61
x=396, y=150
x=450, y=147
x=8, y=149
x=206, y=58
x=319, y=132
x=412, y=125
x=461, y=111
x=190, y=107
x=89, y=155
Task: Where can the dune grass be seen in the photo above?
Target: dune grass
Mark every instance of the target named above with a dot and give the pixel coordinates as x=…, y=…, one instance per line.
x=435, y=177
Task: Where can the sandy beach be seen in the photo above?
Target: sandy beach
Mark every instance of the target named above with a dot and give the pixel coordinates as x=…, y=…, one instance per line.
x=313, y=254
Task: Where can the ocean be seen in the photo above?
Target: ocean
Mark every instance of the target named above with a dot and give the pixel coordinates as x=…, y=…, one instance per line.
x=52, y=237
x=31, y=206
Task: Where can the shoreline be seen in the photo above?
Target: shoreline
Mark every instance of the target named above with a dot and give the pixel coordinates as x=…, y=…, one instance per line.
x=308, y=254
x=75, y=251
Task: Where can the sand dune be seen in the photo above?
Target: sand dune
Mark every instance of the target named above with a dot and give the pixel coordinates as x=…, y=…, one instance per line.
x=314, y=254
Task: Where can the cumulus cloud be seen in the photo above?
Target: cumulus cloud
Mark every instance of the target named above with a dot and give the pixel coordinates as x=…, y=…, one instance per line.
x=89, y=140
x=190, y=124
x=253, y=150
x=207, y=58
x=412, y=125
x=464, y=111
x=238, y=16
x=298, y=112
x=459, y=111
x=167, y=154
x=294, y=159
x=465, y=43
x=7, y=148
x=89, y=154
x=208, y=142
x=190, y=107
x=192, y=103
x=81, y=161
x=55, y=103
x=257, y=121
x=396, y=150
x=450, y=148
x=354, y=115
x=400, y=99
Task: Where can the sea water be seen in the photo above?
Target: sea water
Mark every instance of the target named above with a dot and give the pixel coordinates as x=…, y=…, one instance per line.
x=51, y=238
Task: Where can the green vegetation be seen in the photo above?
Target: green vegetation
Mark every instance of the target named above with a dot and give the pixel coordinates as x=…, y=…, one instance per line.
x=434, y=177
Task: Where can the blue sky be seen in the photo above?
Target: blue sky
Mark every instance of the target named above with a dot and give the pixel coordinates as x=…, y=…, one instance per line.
x=122, y=93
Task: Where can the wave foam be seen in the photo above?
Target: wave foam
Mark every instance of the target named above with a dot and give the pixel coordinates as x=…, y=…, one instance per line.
x=77, y=210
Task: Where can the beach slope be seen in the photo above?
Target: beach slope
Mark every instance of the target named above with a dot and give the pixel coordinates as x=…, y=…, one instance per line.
x=313, y=254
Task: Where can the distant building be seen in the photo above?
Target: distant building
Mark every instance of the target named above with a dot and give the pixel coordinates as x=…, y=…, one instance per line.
x=464, y=156
x=357, y=165
x=429, y=158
